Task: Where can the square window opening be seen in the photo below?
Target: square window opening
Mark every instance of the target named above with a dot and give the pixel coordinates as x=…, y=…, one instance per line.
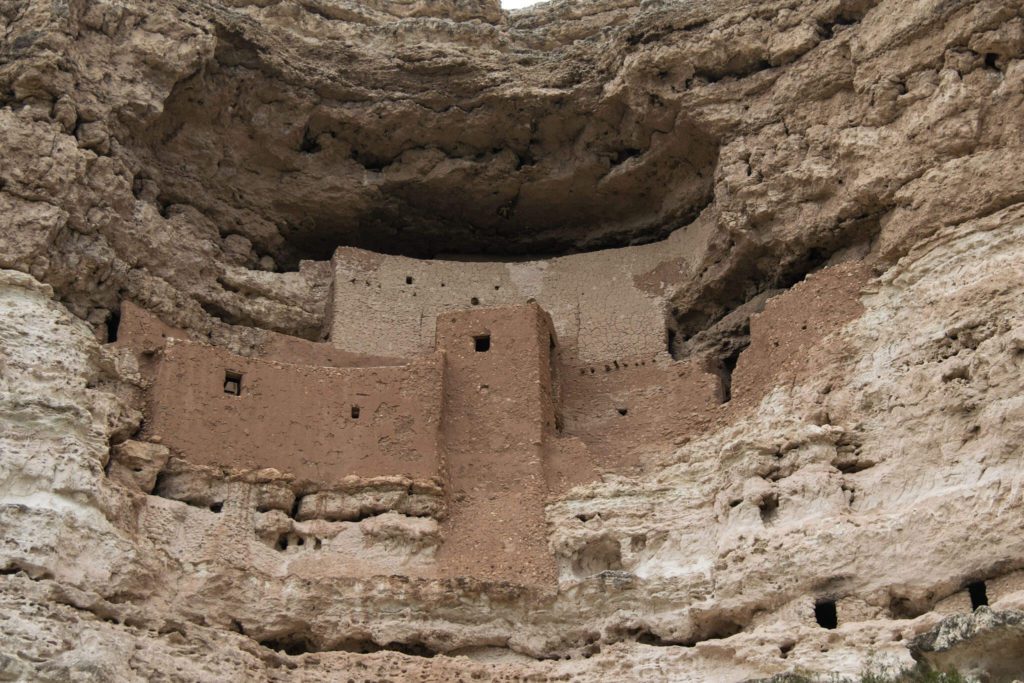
x=482, y=343
x=232, y=383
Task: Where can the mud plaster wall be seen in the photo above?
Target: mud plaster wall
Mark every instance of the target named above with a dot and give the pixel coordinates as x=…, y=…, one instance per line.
x=604, y=304
x=786, y=334
x=627, y=407
x=298, y=418
x=498, y=412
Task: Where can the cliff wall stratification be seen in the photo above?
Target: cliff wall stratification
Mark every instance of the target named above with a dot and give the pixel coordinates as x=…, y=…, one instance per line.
x=832, y=195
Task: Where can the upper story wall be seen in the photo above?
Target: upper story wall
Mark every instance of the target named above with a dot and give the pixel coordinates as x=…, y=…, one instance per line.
x=604, y=304
x=320, y=423
x=498, y=380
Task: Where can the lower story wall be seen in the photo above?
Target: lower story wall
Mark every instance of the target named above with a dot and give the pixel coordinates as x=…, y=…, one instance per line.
x=320, y=423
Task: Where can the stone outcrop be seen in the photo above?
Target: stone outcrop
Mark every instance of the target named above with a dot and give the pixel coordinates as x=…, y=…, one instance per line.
x=836, y=190
x=985, y=643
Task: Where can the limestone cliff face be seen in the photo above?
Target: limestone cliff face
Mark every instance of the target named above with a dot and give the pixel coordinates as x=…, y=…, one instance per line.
x=849, y=174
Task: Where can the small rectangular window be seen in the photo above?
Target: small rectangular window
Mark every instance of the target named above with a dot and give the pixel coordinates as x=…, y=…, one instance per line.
x=232, y=383
x=355, y=412
x=482, y=343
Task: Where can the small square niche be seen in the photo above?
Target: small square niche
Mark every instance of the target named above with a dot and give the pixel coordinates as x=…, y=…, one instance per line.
x=482, y=343
x=232, y=383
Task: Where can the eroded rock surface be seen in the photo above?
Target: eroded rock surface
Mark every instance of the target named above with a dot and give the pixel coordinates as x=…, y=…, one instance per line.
x=846, y=175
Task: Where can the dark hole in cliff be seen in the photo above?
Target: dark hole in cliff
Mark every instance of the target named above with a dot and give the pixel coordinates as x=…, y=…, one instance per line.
x=309, y=144
x=482, y=343
x=725, y=367
x=412, y=649
x=622, y=411
x=990, y=60
x=113, y=325
x=650, y=638
x=769, y=508
x=978, y=593
x=290, y=645
x=408, y=279
x=355, y=412
x=216, y=507
x=475, y=301
x=825, y=614
x=232, y=383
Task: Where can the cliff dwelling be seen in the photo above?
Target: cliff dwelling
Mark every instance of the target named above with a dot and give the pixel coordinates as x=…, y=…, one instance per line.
x=589, y=340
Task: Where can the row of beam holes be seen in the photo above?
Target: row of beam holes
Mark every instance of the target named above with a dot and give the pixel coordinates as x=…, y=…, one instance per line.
x=285, y=540
x=368, y=283
x=615, y=366
x=827, y=617
x=475, y=301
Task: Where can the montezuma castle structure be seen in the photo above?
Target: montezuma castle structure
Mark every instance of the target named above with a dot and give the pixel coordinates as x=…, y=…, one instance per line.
x=491, y=386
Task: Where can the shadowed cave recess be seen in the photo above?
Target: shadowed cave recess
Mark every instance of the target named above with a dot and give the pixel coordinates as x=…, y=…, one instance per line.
x=446, y=166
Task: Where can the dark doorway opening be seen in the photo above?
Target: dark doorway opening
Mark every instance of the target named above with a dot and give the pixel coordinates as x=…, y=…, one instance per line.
x=978, y=593
x=113, y=324
x=825, y=614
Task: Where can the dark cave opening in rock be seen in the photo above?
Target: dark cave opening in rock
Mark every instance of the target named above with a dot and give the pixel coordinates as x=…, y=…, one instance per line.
x=113, y=325
x=978, y=593
x=825, y=614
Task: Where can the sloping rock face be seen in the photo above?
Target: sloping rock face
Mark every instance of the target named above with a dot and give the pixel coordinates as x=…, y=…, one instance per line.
x=204, y=159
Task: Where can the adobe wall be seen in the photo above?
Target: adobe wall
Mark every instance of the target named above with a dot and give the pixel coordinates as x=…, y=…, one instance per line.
x=298, y=418
x=625, y=408
x=498, y=413
x=604, y=304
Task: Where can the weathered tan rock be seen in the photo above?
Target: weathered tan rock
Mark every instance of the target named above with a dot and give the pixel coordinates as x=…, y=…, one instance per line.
x=136, y=464
x=984, y=643
x=847, y=178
